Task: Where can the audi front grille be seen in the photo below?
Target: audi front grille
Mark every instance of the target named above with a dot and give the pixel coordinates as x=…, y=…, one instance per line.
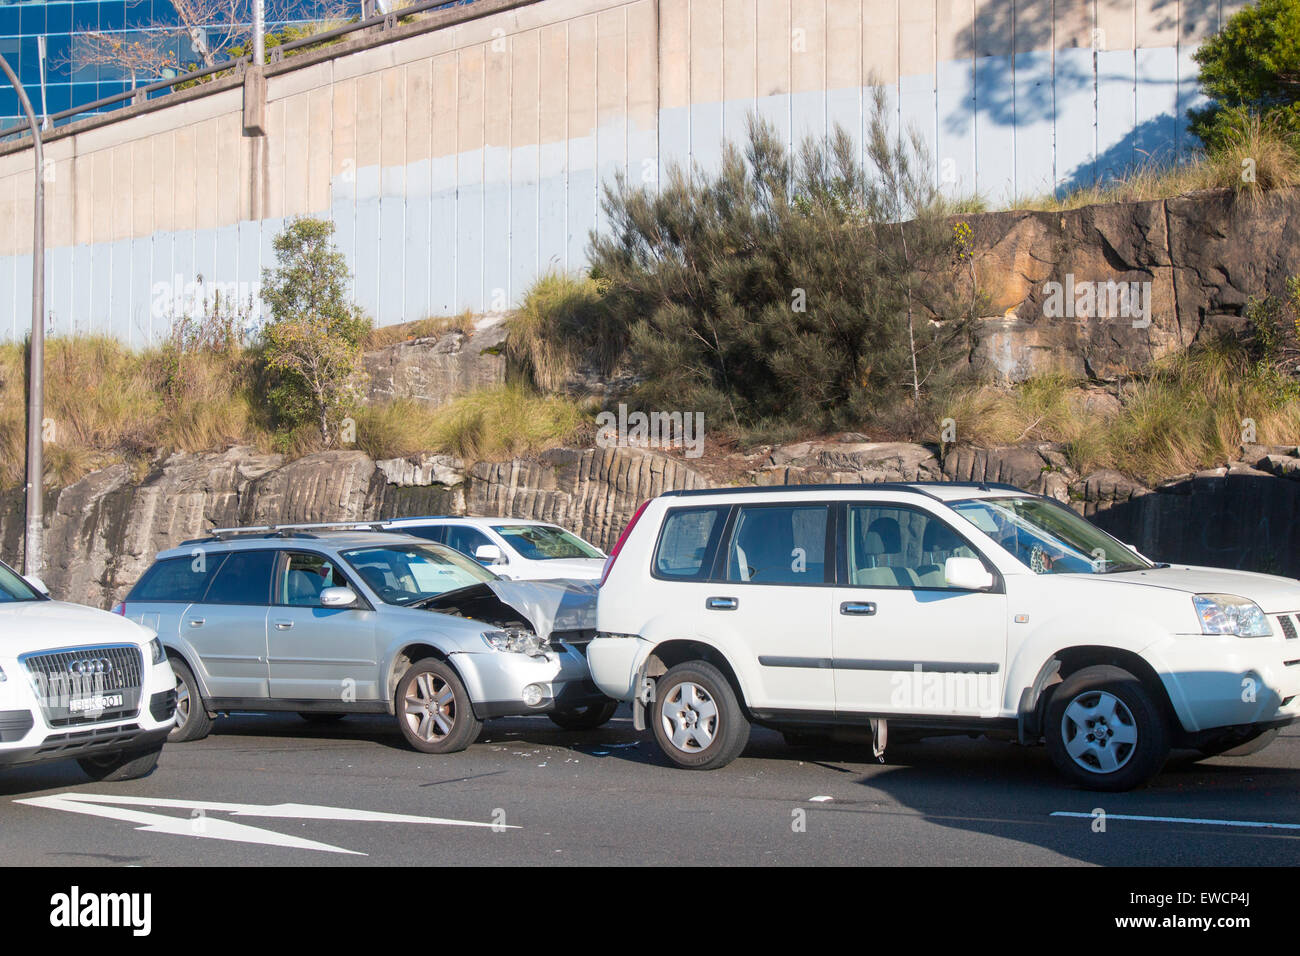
x=86, y=685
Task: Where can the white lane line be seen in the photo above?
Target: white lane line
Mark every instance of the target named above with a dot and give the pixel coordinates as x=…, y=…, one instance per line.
x=201, y=826
x=1255, y=824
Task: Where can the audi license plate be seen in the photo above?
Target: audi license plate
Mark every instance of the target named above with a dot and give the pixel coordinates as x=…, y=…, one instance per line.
x=81, y=705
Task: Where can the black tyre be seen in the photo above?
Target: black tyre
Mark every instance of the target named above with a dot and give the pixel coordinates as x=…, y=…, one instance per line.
x=433, y=709
x=697, y=718
x=1105, y=730
x=585, y=718
x=192, y=720
x=127, y=765
x=1239, y=745
x=313, y=718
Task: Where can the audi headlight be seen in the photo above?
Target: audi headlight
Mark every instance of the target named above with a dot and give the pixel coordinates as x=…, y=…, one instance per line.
x=3, y=678
x=156, y=651
x=1230, y=614
x=516, y=640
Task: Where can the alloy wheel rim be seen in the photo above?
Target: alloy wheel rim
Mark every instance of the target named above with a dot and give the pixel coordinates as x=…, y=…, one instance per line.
x=429, y=707
x=690, y=718
x=182, y=715
x=1099, y=732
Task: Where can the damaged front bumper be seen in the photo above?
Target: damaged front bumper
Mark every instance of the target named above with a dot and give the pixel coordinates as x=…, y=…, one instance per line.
x=507, y=684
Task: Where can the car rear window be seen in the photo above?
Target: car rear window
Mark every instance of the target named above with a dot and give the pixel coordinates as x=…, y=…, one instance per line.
x=688, y=541
x=244, y=578
x=177, y=579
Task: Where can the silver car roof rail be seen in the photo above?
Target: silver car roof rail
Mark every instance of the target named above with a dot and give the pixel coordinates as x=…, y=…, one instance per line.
x=294, y=530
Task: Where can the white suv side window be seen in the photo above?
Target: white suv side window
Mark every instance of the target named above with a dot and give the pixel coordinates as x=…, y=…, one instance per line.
x=778, y=544
x=890, y=546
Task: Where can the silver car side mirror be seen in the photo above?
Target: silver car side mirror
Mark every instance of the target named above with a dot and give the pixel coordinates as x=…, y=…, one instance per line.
x=338, y=597
x=37, y=583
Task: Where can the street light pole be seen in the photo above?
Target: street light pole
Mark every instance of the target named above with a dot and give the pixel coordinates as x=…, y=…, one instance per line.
x=33, y=546
x=259, y=32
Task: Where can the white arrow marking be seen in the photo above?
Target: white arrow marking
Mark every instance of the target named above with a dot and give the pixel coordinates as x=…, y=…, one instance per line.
x=100, y=805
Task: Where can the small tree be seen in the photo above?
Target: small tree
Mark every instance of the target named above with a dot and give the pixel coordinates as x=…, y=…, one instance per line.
x=312, y=344
x=1251, y=68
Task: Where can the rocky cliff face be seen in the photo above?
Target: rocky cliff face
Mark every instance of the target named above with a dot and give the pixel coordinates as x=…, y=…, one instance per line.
x=105, y=529
x=1196, y=261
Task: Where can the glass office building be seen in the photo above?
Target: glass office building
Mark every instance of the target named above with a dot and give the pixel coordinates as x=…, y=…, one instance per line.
x=67, y=82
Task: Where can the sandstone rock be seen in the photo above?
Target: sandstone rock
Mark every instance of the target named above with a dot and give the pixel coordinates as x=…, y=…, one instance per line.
x=1201, y=257
x=433, y=371
x=422, y=470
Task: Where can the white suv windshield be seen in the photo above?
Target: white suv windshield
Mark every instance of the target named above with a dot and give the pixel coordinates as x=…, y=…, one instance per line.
x=539, y=542
x=404, y=575
x=14, y=588
x=1049, y=538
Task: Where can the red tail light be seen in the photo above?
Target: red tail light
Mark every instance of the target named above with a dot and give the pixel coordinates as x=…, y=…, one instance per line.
x=120, y=608
x=618, y=545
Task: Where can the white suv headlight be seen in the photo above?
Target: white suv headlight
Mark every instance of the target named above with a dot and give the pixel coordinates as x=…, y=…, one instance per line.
x=1231, y=614
x=516, y=640
x=156, y=650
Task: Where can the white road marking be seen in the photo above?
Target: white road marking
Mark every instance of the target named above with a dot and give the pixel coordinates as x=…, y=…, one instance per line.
x=215, y=828
x=1256, y=824
x=820, y=799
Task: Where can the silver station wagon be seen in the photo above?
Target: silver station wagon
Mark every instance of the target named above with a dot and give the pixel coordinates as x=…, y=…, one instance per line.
x=326, y=622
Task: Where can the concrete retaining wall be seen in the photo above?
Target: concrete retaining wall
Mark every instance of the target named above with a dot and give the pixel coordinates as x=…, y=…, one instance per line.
x=463, y=156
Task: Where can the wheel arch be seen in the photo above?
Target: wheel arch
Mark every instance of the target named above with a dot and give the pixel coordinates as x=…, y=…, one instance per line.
x=674, y=651
x=1069, y=660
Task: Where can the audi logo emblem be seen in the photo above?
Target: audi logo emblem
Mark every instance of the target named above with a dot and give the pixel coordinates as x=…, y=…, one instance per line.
x=91, y=665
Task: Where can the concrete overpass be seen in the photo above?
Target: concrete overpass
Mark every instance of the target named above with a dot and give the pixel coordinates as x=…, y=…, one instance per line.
x=463, y=155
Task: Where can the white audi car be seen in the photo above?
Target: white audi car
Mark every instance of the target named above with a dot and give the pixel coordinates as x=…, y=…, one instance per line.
x=79, y=683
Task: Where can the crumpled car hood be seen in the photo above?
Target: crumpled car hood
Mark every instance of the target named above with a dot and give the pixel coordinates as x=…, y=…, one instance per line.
x=551, y=607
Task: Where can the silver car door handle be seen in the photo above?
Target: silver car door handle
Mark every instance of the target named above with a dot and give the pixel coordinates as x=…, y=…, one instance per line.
x=283, y=625
x=722, y=604
x=196, y=622
x=865, y=608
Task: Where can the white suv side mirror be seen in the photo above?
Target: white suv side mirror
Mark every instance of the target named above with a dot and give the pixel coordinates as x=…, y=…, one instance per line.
x=37, y=583
x=338, y=597
x=968, y=574
x=488, y=554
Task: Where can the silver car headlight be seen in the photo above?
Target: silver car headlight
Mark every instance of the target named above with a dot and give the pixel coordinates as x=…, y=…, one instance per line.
x=156, y=651
x=1231, y=614
x=516, y=640
x=3, y=678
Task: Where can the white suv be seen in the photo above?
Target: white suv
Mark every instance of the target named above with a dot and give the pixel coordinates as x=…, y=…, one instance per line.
x=929, y=608
x=77, y=682
x=515, y=549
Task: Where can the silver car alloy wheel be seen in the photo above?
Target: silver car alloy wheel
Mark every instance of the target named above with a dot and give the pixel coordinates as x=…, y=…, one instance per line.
x=430, y=707
x=690, y=717
x=182, y=716
x=1099, y=731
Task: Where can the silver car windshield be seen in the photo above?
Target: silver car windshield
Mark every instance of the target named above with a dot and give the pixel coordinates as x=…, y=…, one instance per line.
x=410, y=573
x=14, y=588
x=1049, y=538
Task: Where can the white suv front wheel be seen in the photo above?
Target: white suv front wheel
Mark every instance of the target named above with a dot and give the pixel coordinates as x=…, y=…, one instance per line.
x=697, y=719
x=1105, y=731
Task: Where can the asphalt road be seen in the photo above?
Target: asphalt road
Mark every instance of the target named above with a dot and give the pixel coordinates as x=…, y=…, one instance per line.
x=608, y=797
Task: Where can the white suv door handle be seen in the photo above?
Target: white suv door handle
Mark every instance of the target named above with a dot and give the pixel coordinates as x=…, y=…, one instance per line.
x=858, y=607
x=722, y=604
x=283, y=625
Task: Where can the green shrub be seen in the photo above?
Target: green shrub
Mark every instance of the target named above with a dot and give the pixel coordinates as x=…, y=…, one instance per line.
x=788, y=287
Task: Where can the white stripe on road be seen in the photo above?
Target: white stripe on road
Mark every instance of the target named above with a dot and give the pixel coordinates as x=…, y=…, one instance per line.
x=1258, y=824
x=214, y=828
